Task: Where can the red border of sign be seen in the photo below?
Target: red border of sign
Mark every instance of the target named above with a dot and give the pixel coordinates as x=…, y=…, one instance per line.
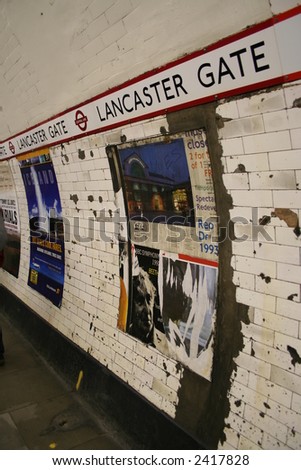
x=193, y=259
x=233, y=92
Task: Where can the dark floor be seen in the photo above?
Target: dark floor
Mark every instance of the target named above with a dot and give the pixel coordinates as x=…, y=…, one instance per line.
x=38, y=410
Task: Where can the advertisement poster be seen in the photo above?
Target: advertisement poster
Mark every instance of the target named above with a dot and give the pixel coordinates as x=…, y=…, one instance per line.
x=203, y=192
x=46, y=272
x=9, y=224
x=145, y=322
x=173, y=304
x=187, y=294
x=173, y=282
x=157, y=182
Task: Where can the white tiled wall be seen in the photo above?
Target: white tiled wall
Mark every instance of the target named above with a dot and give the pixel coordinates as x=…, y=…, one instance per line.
x=89, y=311
x=263, y=136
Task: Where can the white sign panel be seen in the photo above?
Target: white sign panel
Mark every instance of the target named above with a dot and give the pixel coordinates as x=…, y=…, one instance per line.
x=260, y=56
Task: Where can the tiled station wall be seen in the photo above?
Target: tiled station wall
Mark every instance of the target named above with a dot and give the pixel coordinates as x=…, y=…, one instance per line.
x=89, y=312
x=261, y=141
x=261, y=159
x=261, y=148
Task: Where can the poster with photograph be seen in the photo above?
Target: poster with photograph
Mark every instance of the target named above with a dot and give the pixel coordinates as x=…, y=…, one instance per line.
x=46, y=272
x=145, y=321
x=9, y=223
x=187, y=295
x=157, y=182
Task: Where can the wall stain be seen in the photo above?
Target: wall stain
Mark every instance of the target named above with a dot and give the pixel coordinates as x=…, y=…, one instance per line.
x=289, y=217
x=240, y=168
x=264, y=220
x=296, y=359
x=297, y=103
x=204, y=405
x=74, y=198
x=266, y=278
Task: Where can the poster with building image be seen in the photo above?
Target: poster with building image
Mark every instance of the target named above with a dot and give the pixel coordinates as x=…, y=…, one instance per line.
x=46, y=271
x=157, y=182
x=9, y=223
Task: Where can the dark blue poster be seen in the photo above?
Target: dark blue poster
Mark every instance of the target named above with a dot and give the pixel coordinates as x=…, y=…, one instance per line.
x=46, y=272
x=157, y=182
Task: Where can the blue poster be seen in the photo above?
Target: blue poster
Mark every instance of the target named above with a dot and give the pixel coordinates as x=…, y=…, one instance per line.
x=157, y=183
x=46, y=272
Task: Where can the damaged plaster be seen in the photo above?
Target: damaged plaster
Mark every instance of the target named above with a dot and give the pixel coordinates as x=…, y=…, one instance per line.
x=203, y=406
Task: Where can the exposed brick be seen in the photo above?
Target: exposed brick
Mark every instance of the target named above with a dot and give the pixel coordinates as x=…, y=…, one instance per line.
x=276, y=322
x=119, y=10
x=252, y=231
x=256, y=266
x=253, y=364
x=288, y=236
x=241, y=127
x=268, y=251
x=232, y=146
x=228, y=110
x=296, y=138
x=256, y=104
x=294, y=439
x=151, y=395
x=236, y=181
x=272, y=355
x=273, y=180
x=285, y=379
x=287, y=199
x=245, y=443
x=232, y=437
x=270, y=425
x=241, y=375
x=296, y=402
x=256, y=198
x=278, y=288
x=252, y=162
x=294, y=118
x=245, y=428
x=267, y=142
x=276, y=121
x=244, y=280
x=271, y=443
x=246, y=395
x=256, y=299
x=287, y=160
x=258, y=333
x=269, y=389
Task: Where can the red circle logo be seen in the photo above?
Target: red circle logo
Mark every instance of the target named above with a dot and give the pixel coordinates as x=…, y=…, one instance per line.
x=11, y=147
x=81, y=120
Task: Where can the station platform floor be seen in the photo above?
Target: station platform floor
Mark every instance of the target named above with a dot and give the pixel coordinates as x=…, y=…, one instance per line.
x=38, y=410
